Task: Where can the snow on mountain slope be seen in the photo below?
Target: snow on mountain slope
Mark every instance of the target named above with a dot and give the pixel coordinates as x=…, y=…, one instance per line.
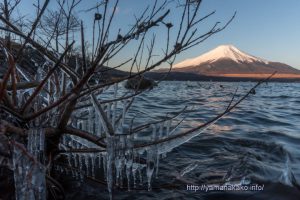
x=222, y=52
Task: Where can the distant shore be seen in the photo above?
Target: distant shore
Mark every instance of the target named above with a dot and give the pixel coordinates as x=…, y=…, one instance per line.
x=258, y=76
x=180, y=76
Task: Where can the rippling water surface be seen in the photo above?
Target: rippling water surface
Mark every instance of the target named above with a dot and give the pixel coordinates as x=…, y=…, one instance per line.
x=258, y=143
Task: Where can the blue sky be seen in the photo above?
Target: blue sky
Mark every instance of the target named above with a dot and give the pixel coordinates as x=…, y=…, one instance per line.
x=269, y=29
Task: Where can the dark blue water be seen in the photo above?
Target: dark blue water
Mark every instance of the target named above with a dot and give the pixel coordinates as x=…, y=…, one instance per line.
x=257, y=144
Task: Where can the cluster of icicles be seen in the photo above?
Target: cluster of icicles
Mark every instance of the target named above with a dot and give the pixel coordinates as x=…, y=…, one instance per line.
x=121, y=164
x=120, y=161
x=29, y=172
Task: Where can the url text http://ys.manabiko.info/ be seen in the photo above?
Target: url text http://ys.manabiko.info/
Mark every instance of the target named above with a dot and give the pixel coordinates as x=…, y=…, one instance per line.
x=227, y=187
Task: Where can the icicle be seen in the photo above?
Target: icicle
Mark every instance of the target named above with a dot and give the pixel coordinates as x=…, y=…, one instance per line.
x=76, y=160
x=118, y=159
x=86, y=163
x=157, y=137
x=110, y=157
x=140, y=169
x=121, y=173
x=100, y=114
x=76, y=64
x=30, y=141
x=104, y=160
x=93, y=165
x=108, y=111
x=140, y=175
x=150, y=167
x=114, y=107
x=157, y=165
x=121, y=152
x=79, y=125
x=169, y=123
x=101, y=132
x=80, y=162
x=135, y=167
x=69, y=159
x=151, y=158
x=91, y=120
x=161, y=128
x=110, y=149
x=189, y=168
x=118, y=169
x=98, y=126
x=29, y=176
x=86, y=125
x=129, y=160
x=169, y=145
x=42, y=144
x=123, y=117
x=36, y=143
x=121, y=170
x=99, y=160
x=113, y=120
x=153, y=132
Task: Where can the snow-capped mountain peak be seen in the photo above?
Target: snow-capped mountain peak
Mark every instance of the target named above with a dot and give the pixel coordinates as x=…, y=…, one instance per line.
x=221, y=52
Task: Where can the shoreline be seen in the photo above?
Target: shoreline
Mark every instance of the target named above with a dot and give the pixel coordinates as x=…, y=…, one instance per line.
x=179, y=76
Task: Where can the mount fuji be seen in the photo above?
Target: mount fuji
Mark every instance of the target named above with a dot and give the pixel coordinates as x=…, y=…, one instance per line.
x=229, y=61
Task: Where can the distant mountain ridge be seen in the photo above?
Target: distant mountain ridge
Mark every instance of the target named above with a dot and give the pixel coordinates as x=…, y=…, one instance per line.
x=227, y=60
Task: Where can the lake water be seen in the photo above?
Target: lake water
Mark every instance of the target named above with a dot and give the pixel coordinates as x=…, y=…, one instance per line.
x=258, y=144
